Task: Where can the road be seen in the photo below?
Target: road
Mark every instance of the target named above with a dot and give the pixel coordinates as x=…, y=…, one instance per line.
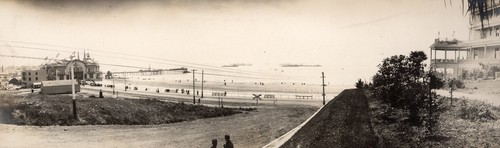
x=243, y=101
x=489, y=98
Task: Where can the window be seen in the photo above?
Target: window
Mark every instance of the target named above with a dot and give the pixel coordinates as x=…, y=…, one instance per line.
x=483, y=34
x=497, y=32
x=29, y=73
x=29, y=79
x=36, y=78
x=36, y=73
x=497, y=53
x=475, y=54
x=491, y=31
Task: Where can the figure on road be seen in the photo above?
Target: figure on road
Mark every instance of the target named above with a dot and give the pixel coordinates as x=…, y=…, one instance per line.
x=228, y=144
x=214, y=143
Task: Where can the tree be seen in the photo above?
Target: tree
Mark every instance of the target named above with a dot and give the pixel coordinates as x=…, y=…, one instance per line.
x=360, y=84
x=109, y=75
x=402, y=83
x=479, y=7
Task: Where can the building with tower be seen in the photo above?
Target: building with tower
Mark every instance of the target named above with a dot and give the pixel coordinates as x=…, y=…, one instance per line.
x=84, y=69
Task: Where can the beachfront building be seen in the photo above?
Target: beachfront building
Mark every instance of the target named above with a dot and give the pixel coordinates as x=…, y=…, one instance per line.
x=465, y=59
x=33, y=78
x=84, y=69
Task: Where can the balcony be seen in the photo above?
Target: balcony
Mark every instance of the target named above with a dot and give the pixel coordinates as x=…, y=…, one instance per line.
x=465, y=61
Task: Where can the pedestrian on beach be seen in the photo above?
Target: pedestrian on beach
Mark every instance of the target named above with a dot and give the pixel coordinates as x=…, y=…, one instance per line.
x=214, y=143
x=228, y=144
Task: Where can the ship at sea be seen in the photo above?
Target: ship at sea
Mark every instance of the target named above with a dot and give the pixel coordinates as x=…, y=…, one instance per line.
x=299, y=65
x=237, y=65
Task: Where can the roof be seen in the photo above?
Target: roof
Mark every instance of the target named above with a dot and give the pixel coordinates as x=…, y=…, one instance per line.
x=57, y=83
x=453, y=44
x=463, y=45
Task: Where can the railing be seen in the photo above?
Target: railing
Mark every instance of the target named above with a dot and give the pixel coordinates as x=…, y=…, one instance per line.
x=464, y=61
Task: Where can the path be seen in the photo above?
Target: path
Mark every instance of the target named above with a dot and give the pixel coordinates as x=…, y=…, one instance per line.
x=489, y=98
x=343, y=122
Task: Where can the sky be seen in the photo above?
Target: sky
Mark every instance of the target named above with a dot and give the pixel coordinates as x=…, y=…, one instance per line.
x=348, y=38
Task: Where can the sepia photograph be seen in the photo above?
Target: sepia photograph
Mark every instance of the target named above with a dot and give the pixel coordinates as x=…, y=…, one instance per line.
x=249, y=73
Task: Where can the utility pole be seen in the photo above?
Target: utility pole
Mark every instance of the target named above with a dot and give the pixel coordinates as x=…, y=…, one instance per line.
x=194, y=94
x=202, y=81
x=113, y=75
x=323, y=77
x=73, y=89
x=125, y=75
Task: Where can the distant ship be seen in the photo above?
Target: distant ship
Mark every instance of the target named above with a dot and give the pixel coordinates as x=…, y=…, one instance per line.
x=237, y=65
x=299, y=65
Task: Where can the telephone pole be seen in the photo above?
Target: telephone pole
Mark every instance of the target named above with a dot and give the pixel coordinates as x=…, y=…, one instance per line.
x=194, y=94
x=73, y=89
x=202, y=81
x=125, y=75
x=323, y=77
x=113, y=84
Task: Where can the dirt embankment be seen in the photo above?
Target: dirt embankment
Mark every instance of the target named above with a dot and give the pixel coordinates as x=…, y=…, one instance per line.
x=37, y=109
x=343, y=122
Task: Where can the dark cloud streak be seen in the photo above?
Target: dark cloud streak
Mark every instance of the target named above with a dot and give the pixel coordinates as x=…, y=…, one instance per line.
x=108, y=5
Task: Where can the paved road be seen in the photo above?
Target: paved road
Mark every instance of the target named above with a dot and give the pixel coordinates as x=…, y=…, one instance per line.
x=343, y=122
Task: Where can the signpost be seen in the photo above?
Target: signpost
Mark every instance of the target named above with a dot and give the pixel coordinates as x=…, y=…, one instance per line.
x=219, y=94
x=257, y=98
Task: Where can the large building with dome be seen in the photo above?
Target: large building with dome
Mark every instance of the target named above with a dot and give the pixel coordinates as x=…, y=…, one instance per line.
x=85, y=69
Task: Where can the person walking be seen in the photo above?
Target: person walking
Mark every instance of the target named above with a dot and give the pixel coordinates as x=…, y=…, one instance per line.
x=228, y=144
x=214, y=143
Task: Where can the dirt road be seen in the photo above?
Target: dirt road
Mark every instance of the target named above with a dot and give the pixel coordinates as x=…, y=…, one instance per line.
x=343, y=122
x=254, y=129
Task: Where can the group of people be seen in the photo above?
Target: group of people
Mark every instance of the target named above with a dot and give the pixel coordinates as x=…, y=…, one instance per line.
x=228, y=143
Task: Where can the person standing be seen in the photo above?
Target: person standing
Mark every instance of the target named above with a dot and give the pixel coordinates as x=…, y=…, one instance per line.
x=228, y=144
x=214, y=143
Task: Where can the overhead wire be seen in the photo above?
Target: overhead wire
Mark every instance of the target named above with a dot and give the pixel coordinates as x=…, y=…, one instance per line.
x=138, y=67
x=189, y=63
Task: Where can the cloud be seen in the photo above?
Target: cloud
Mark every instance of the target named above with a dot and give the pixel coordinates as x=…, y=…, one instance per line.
x=107, y=5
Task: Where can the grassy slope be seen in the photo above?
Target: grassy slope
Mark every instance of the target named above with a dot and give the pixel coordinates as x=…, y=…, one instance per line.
x=35, y=109
x=343, y=122
x=467, y=123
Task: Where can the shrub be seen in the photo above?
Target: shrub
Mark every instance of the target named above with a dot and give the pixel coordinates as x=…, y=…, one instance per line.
x=476, y=111
x=360, y=84
x=402, y=83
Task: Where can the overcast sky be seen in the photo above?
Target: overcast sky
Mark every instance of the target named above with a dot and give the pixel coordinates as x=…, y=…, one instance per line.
x=349, y=38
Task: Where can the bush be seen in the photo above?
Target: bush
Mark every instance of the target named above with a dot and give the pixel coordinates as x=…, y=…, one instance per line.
x=360, y=84
x=402, y=83
x=456, y=83
x=476, y=111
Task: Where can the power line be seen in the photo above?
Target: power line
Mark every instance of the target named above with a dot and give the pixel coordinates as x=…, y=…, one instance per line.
x=138, y=67
x=190, y=63
x=134, y=59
